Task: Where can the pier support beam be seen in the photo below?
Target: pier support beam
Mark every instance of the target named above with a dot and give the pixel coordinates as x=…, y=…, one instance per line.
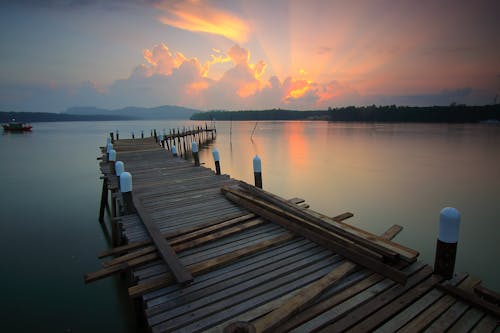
x=196, y=156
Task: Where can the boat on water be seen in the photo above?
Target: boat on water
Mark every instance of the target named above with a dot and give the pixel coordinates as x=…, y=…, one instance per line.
x=16, y=126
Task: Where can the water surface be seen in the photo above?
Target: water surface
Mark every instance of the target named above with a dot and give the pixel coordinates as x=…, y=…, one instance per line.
x=384, y=174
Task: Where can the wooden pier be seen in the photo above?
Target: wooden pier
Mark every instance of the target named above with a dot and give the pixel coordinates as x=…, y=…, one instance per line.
x=207, y=253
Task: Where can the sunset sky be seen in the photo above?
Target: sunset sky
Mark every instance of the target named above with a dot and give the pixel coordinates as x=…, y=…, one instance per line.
x=237, y=54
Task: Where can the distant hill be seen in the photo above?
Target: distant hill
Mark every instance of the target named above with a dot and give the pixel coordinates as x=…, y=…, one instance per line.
x=160, y=112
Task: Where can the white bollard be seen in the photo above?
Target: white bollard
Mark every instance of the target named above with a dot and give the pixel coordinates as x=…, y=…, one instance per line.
x=126, y=190
x=446, y=247
x=119, y=168
x=174, y=151
x=215, y=153
x=194, y=149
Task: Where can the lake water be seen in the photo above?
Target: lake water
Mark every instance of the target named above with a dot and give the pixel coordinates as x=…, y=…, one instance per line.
x=383, y=173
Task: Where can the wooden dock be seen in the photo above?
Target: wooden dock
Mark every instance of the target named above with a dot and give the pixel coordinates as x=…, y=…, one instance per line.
x=240, y=259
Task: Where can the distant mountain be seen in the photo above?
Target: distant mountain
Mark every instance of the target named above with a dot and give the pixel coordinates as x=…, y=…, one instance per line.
x=160, y=112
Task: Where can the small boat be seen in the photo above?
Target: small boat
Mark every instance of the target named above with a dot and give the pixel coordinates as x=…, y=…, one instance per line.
x=16, y=126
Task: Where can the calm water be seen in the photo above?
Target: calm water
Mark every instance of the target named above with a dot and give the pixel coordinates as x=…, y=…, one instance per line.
x=384, y=174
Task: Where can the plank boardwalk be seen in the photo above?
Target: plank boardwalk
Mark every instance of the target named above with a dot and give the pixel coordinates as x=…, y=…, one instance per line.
x=251, y=274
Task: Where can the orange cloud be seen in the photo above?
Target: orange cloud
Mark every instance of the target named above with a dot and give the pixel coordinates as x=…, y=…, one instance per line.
x=199, y=16
x=296, y=88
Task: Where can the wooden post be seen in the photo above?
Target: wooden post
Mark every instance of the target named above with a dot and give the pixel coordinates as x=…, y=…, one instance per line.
x=117, y=135
x=215, y=152
x=119, y=168
x=126, y=190
x=142, y=134
x=196, y=156
x=104, y=199
x=112, y=136
x=446, y=247
x=109, y=147
x=155, y=135
x=162, y=143
x=257, y=171
x=174, y=151
x=111, y=160
x=133, y=135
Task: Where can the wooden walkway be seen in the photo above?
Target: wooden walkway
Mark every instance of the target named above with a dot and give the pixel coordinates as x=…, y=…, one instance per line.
x=253, y=274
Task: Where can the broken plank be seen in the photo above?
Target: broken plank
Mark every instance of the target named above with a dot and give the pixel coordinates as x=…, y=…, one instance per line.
x=181, y=274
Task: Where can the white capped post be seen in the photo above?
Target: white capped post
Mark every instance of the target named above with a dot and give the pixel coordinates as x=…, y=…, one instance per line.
x=126, y=191
x=194, y=149
x=119, y=168
x=215, y=153
x=174, y=151
x=257, y=171
x=446, y=247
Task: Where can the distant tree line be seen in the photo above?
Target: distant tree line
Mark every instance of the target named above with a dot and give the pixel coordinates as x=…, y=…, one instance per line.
x=274, y=114
x=432, y=114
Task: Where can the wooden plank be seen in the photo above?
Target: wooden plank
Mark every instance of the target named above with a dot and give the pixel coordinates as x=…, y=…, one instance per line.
x=467, y=321
x=413, y=310
x=189, y=233
x=486, y=325
x=381, y=300
x=488, y=294
x=349, y=231
x=426, y=317
x=281, y=315
x=447, y=319
x=350, y=252
x=279, y=206
x=181, y=274
x=472, y=299
x=166, y=279
x=376, y=319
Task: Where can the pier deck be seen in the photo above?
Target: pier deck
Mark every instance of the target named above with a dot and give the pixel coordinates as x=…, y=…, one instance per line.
x=251, y=274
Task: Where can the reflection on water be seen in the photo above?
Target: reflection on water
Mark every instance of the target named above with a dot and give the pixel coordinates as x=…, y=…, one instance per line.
x=384, y=174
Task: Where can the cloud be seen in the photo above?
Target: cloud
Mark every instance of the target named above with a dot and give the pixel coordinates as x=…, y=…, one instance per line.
x=170, y=77
x=202, y=16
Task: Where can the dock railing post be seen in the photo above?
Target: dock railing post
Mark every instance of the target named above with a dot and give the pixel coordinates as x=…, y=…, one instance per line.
x=215, y=153
x=126, y=190
x=109, y=147
x=174, y=151
x=142, y=134
x=162, y=143
x=111, y=160
x=194, y=149
x=446, y=247
x=117, y=135
x=112, y=136
x=257, y=171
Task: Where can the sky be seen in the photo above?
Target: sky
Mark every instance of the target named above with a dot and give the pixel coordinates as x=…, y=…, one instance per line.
x=247, y=54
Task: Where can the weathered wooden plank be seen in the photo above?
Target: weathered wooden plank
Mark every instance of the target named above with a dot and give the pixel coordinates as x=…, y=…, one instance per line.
x=197, y=269
x=488, y=294
x=237, y=278
x=361, y=312
x=269, y=257
x=415, y=308
x=351, y=252
x=189, y=233
x=448, y=318
x=181, y=274
x=472, y=299
x=467, y=321
x=486, y=325
x=341, y=228
x=279, y=206
x=425, y=318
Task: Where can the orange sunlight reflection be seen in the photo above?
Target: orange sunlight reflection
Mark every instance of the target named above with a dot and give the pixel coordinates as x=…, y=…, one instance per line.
x=296, y=144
